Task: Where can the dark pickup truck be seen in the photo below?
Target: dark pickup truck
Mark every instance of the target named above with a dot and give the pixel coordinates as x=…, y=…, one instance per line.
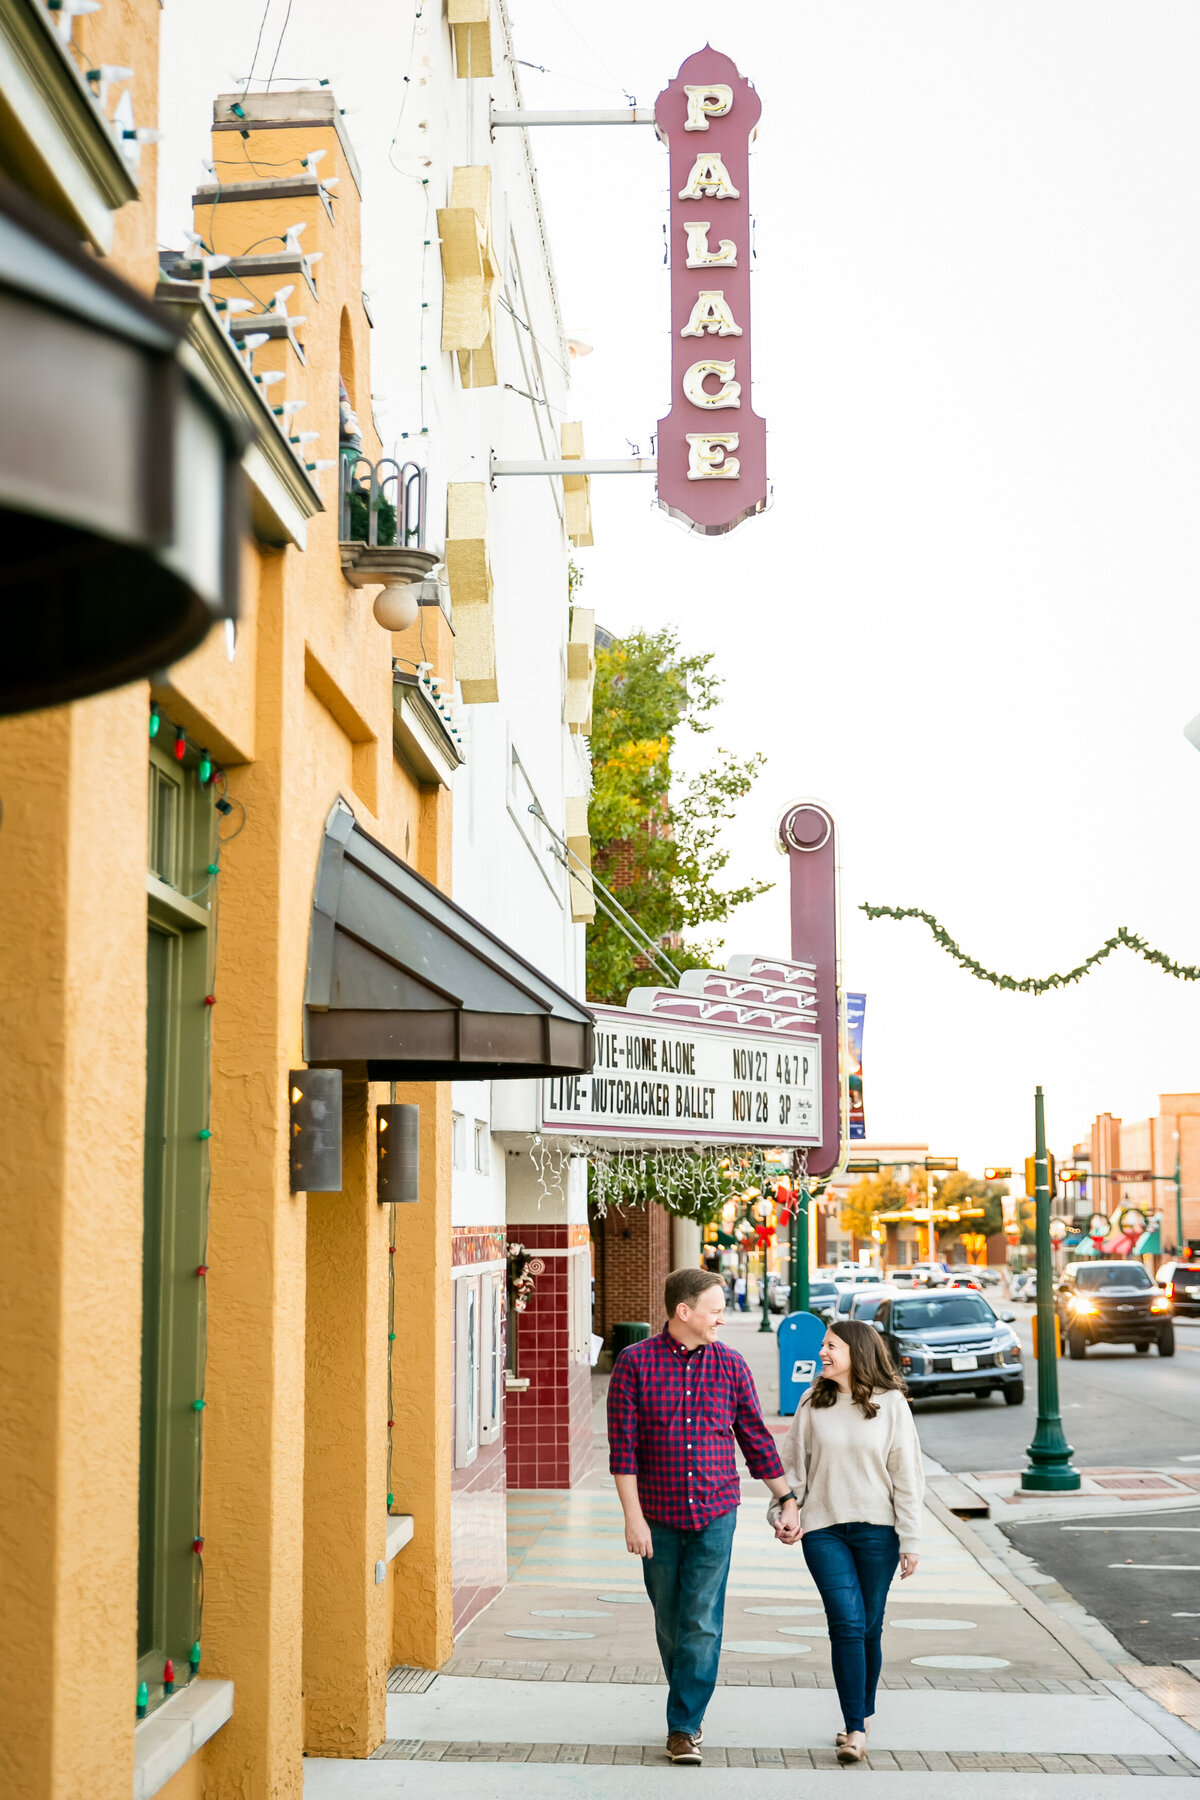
x=1113, y=1303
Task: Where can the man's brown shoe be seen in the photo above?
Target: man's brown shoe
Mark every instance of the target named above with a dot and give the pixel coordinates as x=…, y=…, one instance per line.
x=682, y=1748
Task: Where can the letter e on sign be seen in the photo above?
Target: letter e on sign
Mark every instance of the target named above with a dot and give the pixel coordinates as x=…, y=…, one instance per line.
x=707, y=117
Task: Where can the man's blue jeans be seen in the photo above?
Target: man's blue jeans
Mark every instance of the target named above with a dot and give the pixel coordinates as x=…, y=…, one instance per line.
x=685, y=1579
x=853, y=1566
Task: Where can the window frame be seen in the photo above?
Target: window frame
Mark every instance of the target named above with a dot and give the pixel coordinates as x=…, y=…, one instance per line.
x=174, y=1224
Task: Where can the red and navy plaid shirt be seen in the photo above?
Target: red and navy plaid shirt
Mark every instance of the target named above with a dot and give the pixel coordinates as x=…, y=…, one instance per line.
x=673, y=1415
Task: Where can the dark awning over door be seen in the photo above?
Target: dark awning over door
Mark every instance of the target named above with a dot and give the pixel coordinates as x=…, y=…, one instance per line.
x=406, y=983
x=120, y=480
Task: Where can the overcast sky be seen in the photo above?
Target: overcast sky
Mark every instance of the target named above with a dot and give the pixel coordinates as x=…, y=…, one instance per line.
x=969, y=623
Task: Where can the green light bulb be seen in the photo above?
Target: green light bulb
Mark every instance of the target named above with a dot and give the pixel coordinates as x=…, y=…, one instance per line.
x=143, y=1699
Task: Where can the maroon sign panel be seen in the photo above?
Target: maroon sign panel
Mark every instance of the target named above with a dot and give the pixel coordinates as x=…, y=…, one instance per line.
x=712, y=446
x=808, y=836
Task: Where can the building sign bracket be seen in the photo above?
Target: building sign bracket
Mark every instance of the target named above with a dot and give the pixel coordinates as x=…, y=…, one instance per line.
x=611, y=465
x=621, y=115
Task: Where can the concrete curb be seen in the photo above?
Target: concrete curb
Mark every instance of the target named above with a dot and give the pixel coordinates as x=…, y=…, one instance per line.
x=1089, y=1660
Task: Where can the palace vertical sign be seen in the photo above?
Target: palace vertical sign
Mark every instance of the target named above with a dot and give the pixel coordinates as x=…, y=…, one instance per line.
x=712, y=447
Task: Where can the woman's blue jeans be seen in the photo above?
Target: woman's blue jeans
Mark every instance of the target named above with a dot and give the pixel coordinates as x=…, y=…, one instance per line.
x=685, y=1579
x=853, y=1566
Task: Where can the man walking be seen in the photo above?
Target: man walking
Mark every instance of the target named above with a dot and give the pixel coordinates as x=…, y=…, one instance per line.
x=676, y=1403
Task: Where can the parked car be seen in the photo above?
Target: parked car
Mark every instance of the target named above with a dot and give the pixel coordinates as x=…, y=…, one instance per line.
x=989, y=1277
x=1113, y=1303
x=965, y=1278
x=899, y=1277
x=1180, y=1281
x=822, y=1298
x=849, y=1291
x=929, y=1274
x=866, y=1301
x=1016, y=1290
x=952, y=1342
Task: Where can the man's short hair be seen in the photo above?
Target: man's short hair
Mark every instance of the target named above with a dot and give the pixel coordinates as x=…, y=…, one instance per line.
x=685, y=1286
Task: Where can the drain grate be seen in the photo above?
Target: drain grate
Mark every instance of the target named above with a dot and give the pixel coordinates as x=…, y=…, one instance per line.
x=410, y=1681
x=1159, y=1484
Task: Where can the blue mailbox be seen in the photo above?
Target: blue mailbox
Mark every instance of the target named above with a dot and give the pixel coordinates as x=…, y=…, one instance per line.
x=800, y=1337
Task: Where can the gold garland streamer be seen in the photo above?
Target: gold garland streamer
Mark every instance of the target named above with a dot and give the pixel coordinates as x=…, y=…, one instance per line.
x=1034, y=984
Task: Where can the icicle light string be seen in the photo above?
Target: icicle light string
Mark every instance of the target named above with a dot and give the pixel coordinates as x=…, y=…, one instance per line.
x=1037, y=984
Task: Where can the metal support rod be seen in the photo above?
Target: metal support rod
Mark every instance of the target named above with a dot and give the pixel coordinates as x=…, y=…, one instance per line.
x=612, y=465
x=1049, y=1454
x=621, y=115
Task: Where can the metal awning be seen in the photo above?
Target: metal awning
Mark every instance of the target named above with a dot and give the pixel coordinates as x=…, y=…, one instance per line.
x=120, y=481
x=406, y=986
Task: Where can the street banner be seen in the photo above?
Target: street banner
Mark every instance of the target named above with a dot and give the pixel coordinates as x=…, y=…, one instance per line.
x=856, y=1007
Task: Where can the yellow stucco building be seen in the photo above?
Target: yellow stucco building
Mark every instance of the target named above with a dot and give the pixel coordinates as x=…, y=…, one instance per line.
x=224, y=1439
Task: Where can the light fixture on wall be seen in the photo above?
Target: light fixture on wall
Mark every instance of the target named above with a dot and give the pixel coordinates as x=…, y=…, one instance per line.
x=397, y=1154
x=315, y=1131
x=398, y=607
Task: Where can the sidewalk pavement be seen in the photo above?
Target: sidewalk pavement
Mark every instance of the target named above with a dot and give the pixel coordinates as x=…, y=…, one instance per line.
x=557, y=1685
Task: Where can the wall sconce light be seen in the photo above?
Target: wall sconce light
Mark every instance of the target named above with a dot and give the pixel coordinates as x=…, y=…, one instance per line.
x=397, y=1154
x=315, y=1136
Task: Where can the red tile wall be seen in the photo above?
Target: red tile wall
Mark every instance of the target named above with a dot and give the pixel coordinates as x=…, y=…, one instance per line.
x=548, y=1426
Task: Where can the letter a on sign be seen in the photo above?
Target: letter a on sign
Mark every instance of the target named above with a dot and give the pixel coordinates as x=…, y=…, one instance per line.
x=712, y=480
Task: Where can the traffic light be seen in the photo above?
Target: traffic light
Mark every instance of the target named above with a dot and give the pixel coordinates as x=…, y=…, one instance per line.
x=1031, y=1175
x=1073, y=1174
x=941, y=1162
x=863, y=1166
x=997, y=1174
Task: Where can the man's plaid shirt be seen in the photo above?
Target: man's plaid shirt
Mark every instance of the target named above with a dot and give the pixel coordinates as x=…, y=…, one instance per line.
x=673, y=1415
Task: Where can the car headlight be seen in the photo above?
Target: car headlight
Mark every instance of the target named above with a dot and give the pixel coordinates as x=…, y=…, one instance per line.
x=1081, y=1305
x=1160, y=1305
x=1012, y=1352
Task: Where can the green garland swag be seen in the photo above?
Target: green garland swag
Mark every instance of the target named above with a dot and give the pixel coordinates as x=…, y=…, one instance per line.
x=1033, y=984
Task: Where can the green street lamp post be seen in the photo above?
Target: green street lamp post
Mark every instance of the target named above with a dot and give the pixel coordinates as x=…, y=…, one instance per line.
x=1049, y=1454
x=799, y=1247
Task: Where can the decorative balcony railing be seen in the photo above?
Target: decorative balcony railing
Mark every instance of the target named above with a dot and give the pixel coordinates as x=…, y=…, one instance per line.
x=382, y=504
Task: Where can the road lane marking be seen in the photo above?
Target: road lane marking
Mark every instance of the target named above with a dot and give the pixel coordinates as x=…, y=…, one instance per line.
x=1195, y=1528
x=1163, y=1568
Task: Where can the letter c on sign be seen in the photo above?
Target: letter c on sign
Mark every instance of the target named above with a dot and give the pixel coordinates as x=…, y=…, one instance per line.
x=728, y=394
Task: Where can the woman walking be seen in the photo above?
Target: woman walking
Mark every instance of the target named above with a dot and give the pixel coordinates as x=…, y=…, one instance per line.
x=854, y=1463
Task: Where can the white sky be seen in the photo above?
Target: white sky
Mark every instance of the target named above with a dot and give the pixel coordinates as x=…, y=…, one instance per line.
x=968, y=625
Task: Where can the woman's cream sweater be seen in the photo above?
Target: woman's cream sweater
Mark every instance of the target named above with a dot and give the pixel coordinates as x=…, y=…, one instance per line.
x=847, y=1469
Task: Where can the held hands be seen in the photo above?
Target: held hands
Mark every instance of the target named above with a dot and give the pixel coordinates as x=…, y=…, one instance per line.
x=638, y=1541
x=908, y=1564
x=787, y=1525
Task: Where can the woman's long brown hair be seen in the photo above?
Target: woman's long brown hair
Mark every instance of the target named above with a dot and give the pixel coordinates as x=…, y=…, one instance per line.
x=871, y=1368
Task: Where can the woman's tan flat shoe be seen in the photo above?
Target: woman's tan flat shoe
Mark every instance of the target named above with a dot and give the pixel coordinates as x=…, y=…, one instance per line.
x=853, y=1747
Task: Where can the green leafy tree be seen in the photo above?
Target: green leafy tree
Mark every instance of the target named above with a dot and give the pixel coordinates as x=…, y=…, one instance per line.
x=657, y=846
x=867, y=1199
x=961, y=1189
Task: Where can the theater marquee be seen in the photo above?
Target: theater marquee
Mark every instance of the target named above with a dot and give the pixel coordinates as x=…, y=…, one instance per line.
x=666, y=1081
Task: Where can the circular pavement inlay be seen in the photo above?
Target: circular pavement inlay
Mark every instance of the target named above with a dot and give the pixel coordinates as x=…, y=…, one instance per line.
x=961, y=1662
x=624, y=1599
x=933, y=1624
x=543, y=1631
x=565, y=1612
x=802, y=1630
x=766, y=1647
x=783, y=1612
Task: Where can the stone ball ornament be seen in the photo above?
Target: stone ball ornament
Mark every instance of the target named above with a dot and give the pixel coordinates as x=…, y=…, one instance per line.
x=396, y=608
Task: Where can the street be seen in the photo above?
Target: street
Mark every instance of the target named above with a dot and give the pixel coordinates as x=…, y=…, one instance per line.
x=1139, y=1575
x=1117, y=1408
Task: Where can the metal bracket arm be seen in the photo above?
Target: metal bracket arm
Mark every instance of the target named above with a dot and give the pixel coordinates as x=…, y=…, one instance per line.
x=613, y=465
x=624, y=115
